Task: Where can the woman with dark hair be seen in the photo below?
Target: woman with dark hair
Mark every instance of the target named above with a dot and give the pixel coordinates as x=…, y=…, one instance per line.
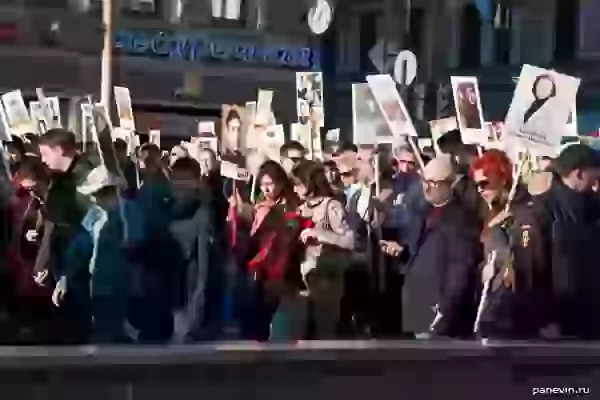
x=511, y=310
x=327, y=245
x=272, y=246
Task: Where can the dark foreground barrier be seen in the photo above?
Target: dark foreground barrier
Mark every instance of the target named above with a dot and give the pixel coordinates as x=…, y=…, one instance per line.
x=307, y=371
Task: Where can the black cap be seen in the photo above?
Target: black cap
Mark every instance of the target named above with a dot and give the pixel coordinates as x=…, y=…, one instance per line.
x=449, y=141
x=576, y=156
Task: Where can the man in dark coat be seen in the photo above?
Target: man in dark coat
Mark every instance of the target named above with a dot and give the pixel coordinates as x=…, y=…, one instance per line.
x=440, y=260
x=564, y=242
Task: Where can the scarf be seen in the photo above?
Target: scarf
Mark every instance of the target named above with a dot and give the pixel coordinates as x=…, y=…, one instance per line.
x=276, y=230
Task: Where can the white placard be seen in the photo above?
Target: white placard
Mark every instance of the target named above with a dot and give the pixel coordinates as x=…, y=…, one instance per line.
x=17, y=115
x=232, y=171
x=272, y=140
x=368, y=125
x=124, y=107
x=263, y=107
x=540, y=107
x=154, y=137
x=309, y=97
x=391, y=105
x=467, y=102
x=405, y=68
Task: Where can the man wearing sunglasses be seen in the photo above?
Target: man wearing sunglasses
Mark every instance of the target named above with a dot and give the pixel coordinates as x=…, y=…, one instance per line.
x=441, y=260
x=291, y=153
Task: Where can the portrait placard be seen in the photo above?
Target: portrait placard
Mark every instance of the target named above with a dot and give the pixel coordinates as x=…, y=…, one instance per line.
x=540, y=107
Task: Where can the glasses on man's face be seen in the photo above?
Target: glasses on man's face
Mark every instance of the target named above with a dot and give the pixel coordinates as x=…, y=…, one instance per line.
x=433, y=183
x=410, y=163
x=482, y=185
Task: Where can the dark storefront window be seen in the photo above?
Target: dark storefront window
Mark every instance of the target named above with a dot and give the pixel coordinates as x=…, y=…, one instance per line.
x=62, y=4
x=470, y=42
x=565, y=34
x=368, y=38
x=143, y=8
x=502, y=35
x=415, y=37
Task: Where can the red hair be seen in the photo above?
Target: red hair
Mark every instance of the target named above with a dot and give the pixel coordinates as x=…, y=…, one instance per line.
x=496, y=167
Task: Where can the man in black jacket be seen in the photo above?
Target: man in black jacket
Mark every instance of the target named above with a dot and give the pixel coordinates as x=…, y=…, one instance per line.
x=565, y=244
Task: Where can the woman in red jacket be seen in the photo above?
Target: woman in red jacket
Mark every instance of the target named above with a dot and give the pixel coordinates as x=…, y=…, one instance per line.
x=33, y=306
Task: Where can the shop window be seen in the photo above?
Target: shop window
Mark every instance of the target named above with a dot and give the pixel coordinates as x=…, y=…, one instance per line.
x=368, y=39
x=230, y=13
x=62, y=4
x=142, y=8
x=415, y=35
x=565, y=34
x=470, y=37
x=502, y=34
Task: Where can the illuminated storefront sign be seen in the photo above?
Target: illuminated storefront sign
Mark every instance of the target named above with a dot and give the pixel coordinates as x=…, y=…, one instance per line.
x=205, y=48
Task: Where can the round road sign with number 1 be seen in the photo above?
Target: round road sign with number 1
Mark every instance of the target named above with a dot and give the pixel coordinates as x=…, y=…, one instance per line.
x=320, y=17
x=405, y=68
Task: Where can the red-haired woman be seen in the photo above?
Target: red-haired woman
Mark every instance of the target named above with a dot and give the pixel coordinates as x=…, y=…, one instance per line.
x=272, y=248
x=513, y=297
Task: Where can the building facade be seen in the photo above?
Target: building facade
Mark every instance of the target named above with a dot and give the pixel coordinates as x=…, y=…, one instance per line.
x=179, y=62
x=489, y=39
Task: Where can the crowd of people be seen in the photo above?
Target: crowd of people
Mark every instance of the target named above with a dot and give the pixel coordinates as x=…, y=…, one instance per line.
x=171, y=251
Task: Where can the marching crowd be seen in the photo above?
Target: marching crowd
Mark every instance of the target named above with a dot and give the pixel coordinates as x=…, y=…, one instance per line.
x=170, y=251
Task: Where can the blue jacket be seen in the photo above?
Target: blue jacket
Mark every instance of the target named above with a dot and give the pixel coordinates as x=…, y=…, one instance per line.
x=101, y=248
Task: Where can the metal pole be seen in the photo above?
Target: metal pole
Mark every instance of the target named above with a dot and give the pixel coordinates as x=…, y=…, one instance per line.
x=106, y=82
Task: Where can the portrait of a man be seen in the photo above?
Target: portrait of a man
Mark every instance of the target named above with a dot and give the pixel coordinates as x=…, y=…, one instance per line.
x=467, y=106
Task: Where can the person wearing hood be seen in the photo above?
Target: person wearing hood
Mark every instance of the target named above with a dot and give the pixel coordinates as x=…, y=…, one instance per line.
x=110, y=233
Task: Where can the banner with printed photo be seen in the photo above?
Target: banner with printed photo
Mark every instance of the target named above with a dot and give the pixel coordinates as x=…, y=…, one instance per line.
x=230, y=138
x=571, y=129
x=206, y=137
x=332, y=140
x=391, y=105
x=38, y=117
x=273, y=139
x=540, y=107
x=467, y=101
x=17, y=115
x=124, y=107
x=301, y=133
x=50, y=109
x=309, y=97
x=368, y=124
x=262, y=114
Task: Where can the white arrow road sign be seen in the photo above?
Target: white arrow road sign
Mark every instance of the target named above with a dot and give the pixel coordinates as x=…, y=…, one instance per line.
x=405, y=68
x=382, y=55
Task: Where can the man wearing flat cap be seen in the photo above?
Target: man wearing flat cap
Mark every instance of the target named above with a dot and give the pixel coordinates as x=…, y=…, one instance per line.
x=440, y=260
